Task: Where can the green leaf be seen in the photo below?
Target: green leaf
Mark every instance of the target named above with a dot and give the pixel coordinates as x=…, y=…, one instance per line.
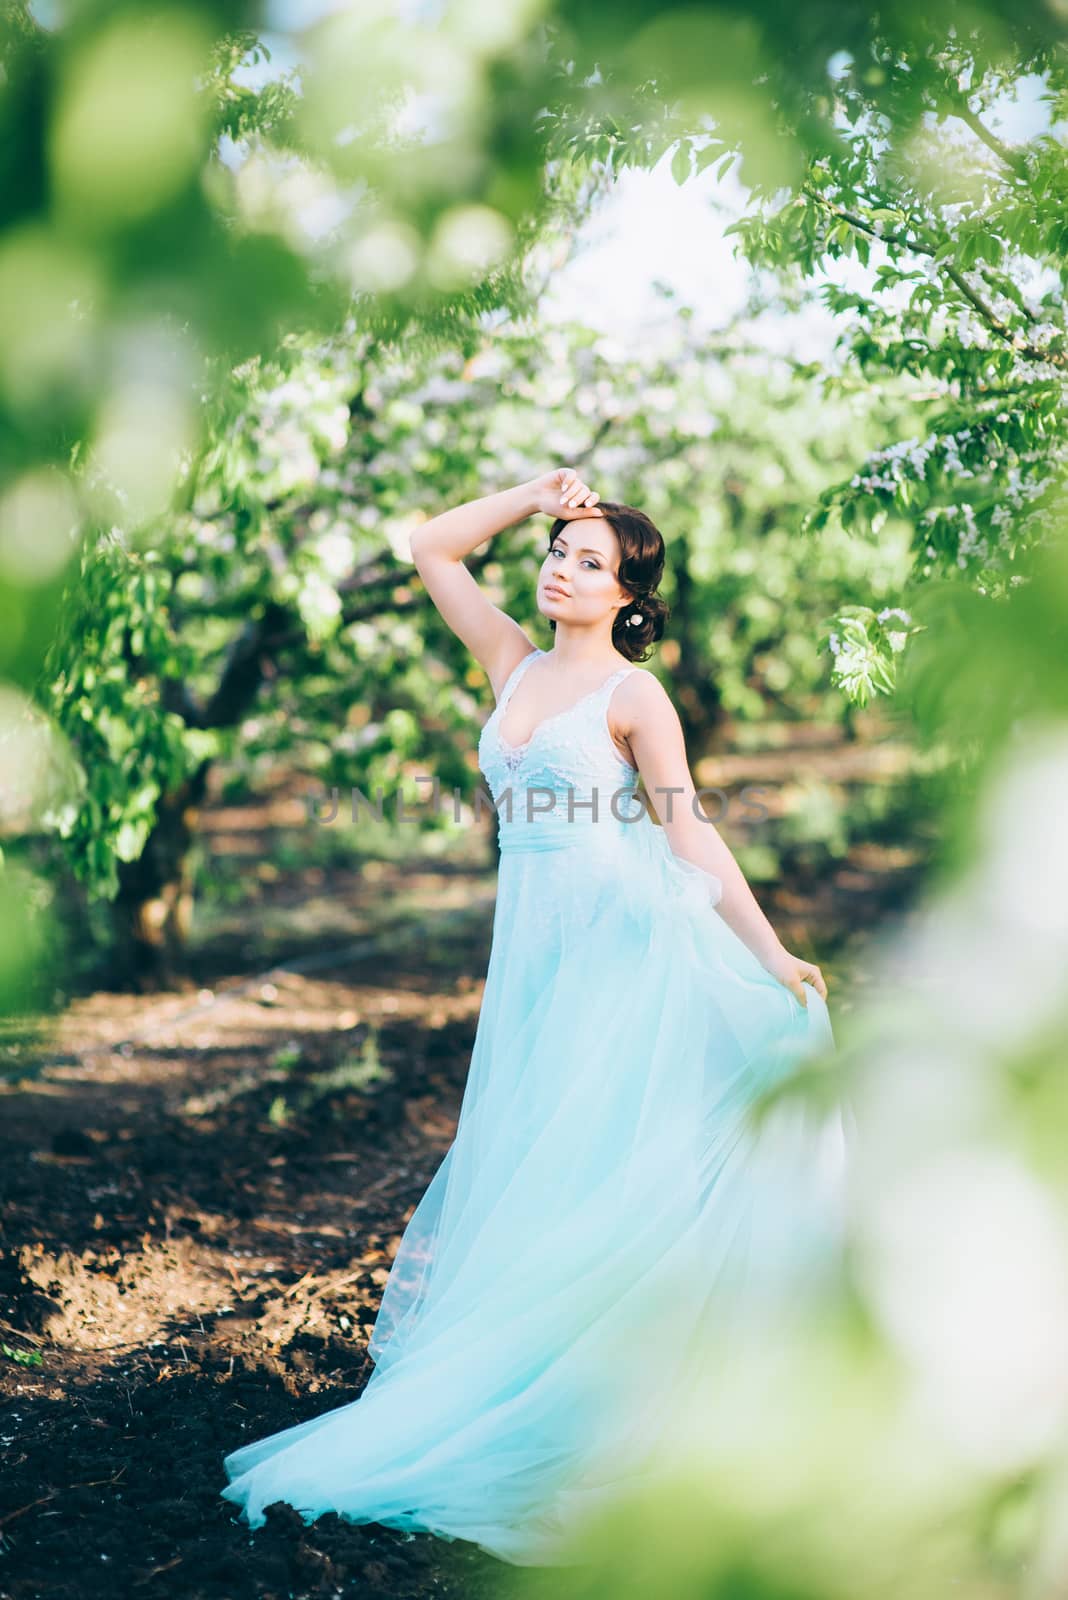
x=712, y=152
x=681, y=162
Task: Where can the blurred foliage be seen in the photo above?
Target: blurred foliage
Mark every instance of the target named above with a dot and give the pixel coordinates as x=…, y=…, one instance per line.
x=152, y=246
x=964, y=233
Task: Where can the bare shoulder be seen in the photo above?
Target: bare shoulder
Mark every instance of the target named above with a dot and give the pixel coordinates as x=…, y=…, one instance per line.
x=641, y=695
x=639, y=706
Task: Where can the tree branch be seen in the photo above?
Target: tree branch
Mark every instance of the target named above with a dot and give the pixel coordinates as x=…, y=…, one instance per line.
x=1015, y=162
x=987, y=312
x=239, y=681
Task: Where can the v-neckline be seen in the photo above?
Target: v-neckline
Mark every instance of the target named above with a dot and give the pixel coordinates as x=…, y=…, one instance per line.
x=514, y=749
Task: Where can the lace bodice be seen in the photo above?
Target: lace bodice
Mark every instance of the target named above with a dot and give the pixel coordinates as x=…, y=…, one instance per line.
x=570, y=753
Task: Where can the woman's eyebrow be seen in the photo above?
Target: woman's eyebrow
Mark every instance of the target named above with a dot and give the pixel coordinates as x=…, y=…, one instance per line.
x=585, y=551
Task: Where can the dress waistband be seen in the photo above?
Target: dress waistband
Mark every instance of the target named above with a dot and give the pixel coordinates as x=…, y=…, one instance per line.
x=558, y=833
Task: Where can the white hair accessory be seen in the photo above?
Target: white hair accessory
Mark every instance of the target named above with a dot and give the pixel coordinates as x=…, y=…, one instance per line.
x=635, y=617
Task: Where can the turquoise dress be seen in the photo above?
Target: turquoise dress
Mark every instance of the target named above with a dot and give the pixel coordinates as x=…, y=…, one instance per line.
x=606, y=1201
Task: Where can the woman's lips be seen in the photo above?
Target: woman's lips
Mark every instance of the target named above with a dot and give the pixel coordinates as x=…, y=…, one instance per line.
x=559, y=593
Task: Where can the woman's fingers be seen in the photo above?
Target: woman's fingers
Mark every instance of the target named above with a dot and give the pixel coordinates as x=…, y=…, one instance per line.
x=573, y=492
x=579, y=494
x=815, y=978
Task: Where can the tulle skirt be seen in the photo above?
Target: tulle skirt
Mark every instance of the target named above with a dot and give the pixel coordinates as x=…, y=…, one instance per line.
x=609, y=1200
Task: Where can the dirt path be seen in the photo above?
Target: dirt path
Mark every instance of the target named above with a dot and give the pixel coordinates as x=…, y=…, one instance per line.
x=200, y=1198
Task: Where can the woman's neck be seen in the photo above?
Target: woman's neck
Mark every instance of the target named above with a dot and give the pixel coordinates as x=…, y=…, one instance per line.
x=581, y=655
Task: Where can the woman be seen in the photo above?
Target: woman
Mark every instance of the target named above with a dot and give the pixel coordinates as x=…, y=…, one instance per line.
x=608, y=1195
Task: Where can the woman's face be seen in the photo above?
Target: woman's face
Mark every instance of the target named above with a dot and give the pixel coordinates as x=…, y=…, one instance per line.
x=577, y=582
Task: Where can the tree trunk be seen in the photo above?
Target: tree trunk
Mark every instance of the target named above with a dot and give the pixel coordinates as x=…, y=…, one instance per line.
x=696, y=691
x=152, y=912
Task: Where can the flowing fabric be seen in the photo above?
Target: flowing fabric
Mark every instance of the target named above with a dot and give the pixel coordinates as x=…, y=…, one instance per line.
x=607, y=1198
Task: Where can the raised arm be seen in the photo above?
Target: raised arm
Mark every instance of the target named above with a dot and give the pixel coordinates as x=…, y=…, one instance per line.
x=439, y=546
x=651, y=725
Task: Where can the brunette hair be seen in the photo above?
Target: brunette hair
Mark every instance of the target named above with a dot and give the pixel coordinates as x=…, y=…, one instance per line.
x=641, y=567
